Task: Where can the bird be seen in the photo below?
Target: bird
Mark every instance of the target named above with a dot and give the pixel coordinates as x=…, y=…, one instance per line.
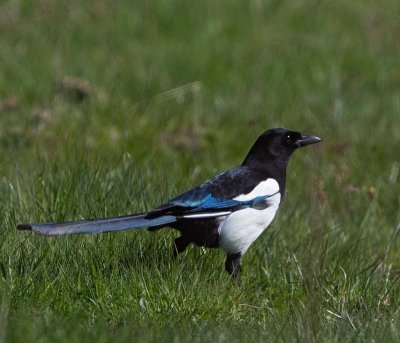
x=228, y=211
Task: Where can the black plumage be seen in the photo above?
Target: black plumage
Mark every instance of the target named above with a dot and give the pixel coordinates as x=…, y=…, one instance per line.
x=216, y=213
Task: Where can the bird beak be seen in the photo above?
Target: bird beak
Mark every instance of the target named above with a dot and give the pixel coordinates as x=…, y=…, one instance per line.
x=307, y=140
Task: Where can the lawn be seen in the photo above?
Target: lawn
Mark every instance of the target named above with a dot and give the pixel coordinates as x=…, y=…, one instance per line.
x=109, y=108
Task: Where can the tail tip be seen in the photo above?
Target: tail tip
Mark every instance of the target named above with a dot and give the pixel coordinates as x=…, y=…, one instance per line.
x=24, y=227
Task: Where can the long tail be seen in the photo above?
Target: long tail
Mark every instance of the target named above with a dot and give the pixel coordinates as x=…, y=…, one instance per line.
x=98, y=225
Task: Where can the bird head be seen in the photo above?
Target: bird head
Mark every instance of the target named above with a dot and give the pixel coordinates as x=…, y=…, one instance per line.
x=277, y=144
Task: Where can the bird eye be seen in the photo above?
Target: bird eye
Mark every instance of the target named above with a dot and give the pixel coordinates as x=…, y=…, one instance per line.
x=289, y=139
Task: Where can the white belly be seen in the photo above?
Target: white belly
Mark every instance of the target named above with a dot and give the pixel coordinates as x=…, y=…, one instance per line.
x=240, y=229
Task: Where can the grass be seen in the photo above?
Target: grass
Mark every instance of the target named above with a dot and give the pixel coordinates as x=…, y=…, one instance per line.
x=112, y=108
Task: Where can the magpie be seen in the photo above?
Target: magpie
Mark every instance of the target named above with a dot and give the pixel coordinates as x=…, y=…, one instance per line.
x=228, y=211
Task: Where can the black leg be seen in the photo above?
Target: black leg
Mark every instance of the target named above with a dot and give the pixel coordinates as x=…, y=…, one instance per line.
x=180, y=244
x=232, y=266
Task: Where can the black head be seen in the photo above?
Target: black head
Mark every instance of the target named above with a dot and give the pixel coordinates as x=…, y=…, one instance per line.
x=275, y=146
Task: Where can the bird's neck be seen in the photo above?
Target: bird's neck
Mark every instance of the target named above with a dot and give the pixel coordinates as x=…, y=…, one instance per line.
x=271, y=167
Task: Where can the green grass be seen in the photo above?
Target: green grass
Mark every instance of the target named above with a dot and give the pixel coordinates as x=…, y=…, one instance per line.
x=178, y=92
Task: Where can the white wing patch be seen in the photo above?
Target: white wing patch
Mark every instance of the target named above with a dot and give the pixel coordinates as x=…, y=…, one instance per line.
x=207, y=215
x=267, y=187
x=239, y=230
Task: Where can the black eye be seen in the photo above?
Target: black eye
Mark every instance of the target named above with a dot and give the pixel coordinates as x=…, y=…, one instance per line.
x=289, y=139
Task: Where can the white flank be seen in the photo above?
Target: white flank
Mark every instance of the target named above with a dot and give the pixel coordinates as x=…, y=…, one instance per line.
x=242, y=228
